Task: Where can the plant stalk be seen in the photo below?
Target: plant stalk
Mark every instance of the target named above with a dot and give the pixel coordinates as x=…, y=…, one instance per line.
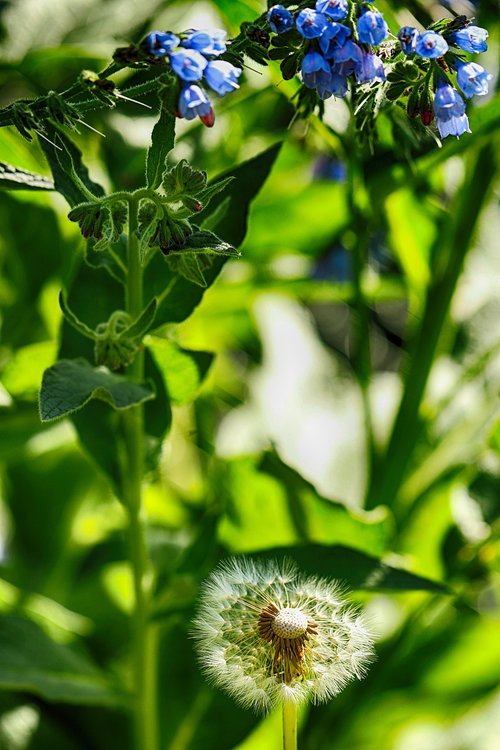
x=289, y=725
x=144, y=641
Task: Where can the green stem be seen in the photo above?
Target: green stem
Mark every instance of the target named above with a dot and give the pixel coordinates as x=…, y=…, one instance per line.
x=361, y=329
x=452, y=246
x=144, y=638
x=289, y=725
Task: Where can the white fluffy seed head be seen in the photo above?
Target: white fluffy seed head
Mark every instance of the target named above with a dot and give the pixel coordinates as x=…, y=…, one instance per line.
x=235, y=653
x=290, y=622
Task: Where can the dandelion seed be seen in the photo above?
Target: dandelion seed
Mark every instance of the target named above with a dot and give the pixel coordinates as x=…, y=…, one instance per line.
x=268, y=636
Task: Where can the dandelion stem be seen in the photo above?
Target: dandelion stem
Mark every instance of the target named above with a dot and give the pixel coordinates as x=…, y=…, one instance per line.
x=289, y=725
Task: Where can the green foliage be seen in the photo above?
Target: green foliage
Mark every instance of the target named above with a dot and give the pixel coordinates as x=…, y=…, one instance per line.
x=287, y=320
x=70, y=384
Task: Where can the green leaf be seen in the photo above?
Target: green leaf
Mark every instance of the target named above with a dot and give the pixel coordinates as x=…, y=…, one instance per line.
x=162, y=142
x=77, y=324
x=249, y=177
x=174, y=288
x=69, y=384
x=204, y=242
x=182, y=370
x=32, y=662
x=358, y=570
x=190, y=267
x=143, y=323
x=71, y=177
x=23, y=373
x=14, y=178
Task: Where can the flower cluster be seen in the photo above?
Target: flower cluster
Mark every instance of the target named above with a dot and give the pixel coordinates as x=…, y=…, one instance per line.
x=472, y=79
x=345, y=45
x=266, y=635
x=335, y=50
x=193, y=57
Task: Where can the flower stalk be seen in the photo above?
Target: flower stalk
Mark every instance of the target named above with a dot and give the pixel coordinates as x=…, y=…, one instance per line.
x=144, y=642
x=289, y=725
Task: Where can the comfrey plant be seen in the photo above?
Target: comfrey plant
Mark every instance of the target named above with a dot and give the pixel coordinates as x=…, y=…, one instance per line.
x=269, y=636
x=340, y=46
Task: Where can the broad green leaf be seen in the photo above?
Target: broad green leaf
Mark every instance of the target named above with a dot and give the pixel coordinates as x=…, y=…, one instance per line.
x=272, y=505
x=358, y=570
x=190, y=267
x=23, y=373
x=71, y=177
x=182, y=370
x=249, y=178
x=143, y=323
x=179, y=296
x=412, y=233
x=31, y=662
x=77, y=324
x=162, y=141
x=14, y=178
x=69, y=384
x=94, y=295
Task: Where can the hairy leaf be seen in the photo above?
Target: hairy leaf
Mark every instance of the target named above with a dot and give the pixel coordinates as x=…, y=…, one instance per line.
x=69, y=384
x=14, y=178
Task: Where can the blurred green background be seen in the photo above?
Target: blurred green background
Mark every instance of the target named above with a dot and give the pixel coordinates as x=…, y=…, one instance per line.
x=346, y=297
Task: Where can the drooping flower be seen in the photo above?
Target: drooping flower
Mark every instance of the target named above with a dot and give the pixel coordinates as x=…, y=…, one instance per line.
x=371, y=68
x=193, y=102
x=188, y=64
x=210, y=43
x=472, y=78
x=372, y=28
x=310, y=24
x=431, y=45
x=266, y=635
x=338, y=83
x=315, y=70
x=222, y=77
x=333, y=37
x=408, y=39
x=160, y=43
x=280, y=19
x=456, y=126
x=447, y=102
x=471, y=39
x=336, y=9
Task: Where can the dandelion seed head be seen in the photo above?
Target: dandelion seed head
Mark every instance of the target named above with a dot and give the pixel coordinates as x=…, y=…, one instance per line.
x=266, y=634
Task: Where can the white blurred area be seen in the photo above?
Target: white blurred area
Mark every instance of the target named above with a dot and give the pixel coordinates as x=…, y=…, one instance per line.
x=303, y=403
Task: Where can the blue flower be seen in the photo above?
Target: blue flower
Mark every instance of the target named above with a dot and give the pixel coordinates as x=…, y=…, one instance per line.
x=333, y=37
x=336, y=9
x=371, y=68
x=188, y=64
x=160, y=43
x=472, y=78
x=349, y=52
x=338, y=84
x=193, y=102
x=448, y=103
x=408, y=38
x=316, y=71
x=454, y=126
x=310, y=24
x=280, y=19
x=431, y=45
x=222, y=77
x=372, y=28
x=471, y=39
x=211, y=43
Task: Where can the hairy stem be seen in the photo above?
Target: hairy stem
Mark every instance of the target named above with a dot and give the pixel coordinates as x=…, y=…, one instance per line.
x=289, y=725
x=144, y=642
